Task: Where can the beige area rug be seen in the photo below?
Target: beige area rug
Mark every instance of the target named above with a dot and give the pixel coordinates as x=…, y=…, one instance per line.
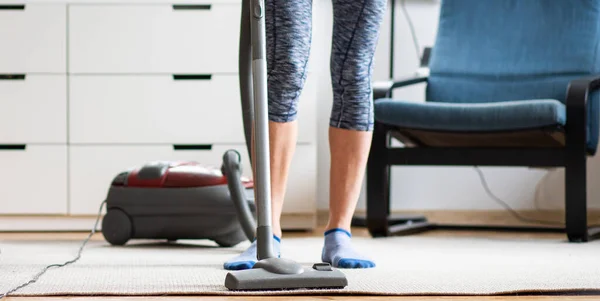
x=406, y=266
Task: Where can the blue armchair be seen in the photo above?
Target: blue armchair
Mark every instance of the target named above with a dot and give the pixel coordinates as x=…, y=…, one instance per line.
x=511, y=83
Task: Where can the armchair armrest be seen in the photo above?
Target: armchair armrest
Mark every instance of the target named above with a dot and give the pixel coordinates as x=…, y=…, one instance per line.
x=383, y=89
x=577, y=99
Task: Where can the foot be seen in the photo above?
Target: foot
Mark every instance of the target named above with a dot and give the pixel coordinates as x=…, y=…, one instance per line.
x=338, y=251
x=247, y=259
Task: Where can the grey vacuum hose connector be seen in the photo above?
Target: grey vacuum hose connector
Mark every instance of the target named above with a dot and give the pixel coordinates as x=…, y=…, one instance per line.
x=232, y=169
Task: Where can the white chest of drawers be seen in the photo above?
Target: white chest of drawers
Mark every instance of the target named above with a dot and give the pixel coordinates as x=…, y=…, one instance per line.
x=91, y=88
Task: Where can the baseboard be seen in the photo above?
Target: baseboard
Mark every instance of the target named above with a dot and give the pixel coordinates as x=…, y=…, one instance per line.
x=307, y=221
x=481, y=217
x=47, y=223
x=290, y=222
x=298, y=221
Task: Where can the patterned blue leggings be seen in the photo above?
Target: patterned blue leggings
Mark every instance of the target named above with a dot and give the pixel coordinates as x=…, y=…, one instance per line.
x=356, y=26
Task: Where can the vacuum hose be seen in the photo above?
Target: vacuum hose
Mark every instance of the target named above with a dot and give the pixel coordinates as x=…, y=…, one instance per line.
x=232, y=167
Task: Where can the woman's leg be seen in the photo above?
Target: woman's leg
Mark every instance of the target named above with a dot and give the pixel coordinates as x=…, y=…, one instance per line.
x=355, y=37
x=289, y=33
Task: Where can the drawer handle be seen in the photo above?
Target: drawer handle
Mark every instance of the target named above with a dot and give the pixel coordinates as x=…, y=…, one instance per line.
x=12, y=76
x=12, y=7
x=192, y=76
x=191, y=6
x=13, y=146
x=192, y=146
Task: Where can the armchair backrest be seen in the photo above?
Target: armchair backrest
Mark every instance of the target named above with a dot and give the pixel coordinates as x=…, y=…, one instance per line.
x=500, y=50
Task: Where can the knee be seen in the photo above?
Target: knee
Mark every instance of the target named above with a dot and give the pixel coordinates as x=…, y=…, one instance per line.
x=353, y=89
x=288, y=77
x=353, y=109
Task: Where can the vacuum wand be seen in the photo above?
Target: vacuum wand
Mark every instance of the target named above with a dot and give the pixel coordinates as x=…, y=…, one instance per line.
x=264, y=231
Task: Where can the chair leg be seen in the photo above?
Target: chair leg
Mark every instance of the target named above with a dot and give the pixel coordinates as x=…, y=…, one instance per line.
x=360, y=220
x=576, y=197
x=378, y=184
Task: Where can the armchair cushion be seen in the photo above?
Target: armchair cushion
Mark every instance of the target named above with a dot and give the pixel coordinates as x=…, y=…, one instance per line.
x=472, y=117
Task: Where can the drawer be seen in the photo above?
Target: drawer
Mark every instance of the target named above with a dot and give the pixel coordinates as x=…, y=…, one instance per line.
x=154, y=38
x=92, y=168
x=33, y=109
x=158, y=109
x=34, y=38
x=34, y=179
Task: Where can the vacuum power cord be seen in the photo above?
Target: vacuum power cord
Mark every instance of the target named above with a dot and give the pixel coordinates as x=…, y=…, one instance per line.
x=412, y=29
x=44, y=270
x=507, y=207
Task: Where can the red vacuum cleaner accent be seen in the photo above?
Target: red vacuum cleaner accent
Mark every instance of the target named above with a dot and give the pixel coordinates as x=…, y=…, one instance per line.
x=178, y=175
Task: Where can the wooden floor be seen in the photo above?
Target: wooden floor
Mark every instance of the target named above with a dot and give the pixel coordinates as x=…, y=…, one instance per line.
x=356, y=232
x=383, y=298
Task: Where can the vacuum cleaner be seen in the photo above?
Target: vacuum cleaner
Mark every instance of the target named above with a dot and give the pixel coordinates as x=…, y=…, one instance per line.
x=179, y=200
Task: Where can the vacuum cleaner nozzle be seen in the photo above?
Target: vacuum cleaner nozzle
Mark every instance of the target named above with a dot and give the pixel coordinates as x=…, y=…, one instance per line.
x=279, y=273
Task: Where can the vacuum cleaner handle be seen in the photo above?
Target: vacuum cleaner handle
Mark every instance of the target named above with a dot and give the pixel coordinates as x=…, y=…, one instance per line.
x=232, y=169
x=262, y=180
x=253, y=89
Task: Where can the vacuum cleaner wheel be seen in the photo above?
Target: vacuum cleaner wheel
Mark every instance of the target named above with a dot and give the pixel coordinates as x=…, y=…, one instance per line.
x=116, y=227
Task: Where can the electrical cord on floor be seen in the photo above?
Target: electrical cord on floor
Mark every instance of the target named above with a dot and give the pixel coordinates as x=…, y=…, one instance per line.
x=45, y=269
x=507, y=207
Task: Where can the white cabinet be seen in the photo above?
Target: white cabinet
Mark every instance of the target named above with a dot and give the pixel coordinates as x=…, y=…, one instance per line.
x=154, y=38
x=90, y=88
x=34, y=179
x=33, y=38
x=33, y=109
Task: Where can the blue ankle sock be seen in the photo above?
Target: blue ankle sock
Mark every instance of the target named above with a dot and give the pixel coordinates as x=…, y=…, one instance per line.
x=247, y=259
x=338, y=251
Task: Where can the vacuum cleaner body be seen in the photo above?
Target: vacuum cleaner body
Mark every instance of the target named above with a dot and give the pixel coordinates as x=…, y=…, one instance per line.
x=173, y=200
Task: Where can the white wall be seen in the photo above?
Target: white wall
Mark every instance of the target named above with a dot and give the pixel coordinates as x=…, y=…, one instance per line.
x=430, y=187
